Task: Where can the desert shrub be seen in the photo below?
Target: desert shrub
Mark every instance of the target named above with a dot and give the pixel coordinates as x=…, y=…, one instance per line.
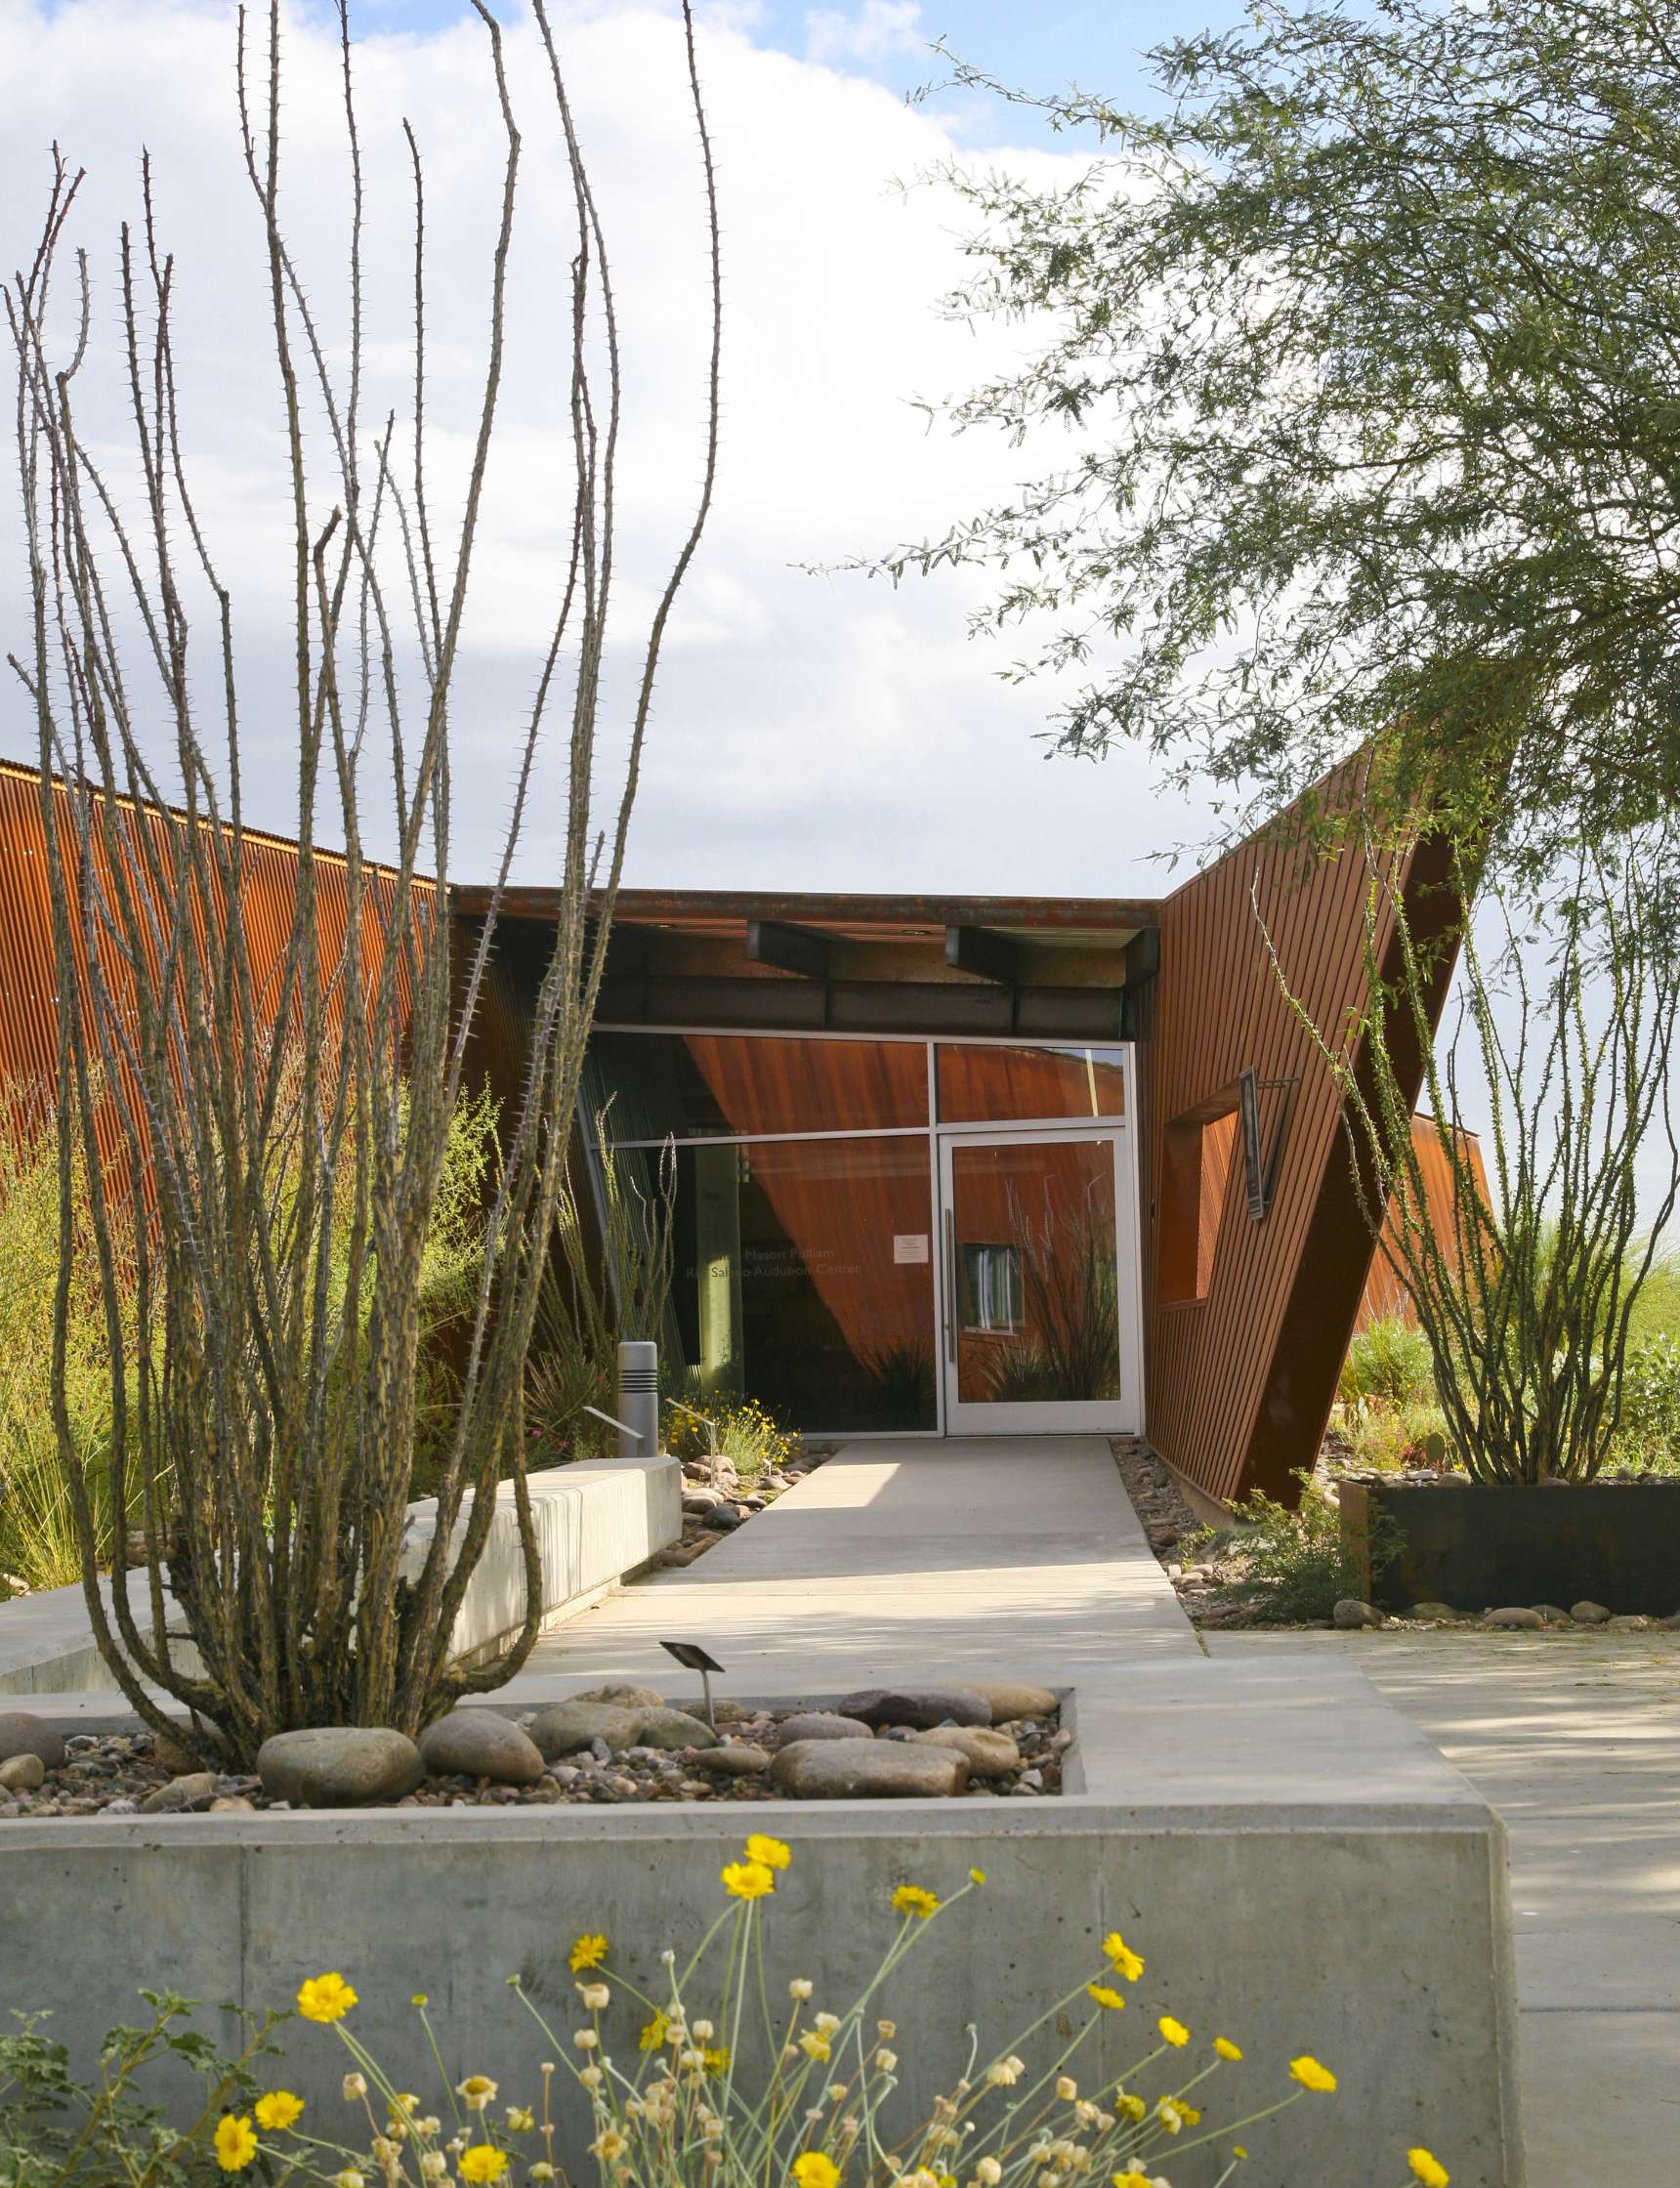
x=1389, y=1361
x=1649, y=1433
x=744, y=1432
x=1292, y=1564
x=705, y=2083
x=1389, y=1437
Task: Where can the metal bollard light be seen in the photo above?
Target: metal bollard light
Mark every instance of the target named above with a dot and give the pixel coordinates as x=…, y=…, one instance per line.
x=638, y=1398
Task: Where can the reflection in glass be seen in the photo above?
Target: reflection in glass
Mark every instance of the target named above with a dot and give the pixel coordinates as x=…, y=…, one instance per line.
x=1037, y=1295
x=704, y=1085
x=987, y=1085
x=804, y=1279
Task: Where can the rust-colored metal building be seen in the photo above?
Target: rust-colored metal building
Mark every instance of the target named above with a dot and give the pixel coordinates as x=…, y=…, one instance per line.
x=945, y=1164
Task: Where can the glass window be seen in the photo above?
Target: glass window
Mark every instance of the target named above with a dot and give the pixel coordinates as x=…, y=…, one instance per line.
x=703, y=1085
x=804, y=1279
x=984, y=1086
x=989, y=1299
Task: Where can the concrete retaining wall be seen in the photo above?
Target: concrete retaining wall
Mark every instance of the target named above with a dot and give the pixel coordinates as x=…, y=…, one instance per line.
x=1300, y=1869
x=595, y=1523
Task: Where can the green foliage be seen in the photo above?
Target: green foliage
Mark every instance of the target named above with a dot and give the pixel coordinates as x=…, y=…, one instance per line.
x=57, y=2131
x=1388, y=1360
x=746, y=1433
x=1364, y=342
x=1293, y=1565
x=1647, y=1434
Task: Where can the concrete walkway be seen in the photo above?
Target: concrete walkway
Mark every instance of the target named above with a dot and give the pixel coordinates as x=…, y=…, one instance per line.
x=1575, y=1738
x=1005, y=1555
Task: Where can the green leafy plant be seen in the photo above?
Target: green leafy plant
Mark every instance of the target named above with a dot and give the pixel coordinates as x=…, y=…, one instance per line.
x=1388, y=1360
x=746, y=1433
x=1648, y=1434
x=1293, y=1565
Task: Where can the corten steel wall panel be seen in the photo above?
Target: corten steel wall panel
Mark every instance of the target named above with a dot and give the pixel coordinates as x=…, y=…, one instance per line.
x=28, y=998
x=1239, y=1382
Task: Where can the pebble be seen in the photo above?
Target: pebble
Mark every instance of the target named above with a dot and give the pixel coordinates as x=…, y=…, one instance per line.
x=22, y=1774
x=180, y=1792
x=23, y=1735
x=918, y=1706
x=481, y=1744
x=738, y=1760
x=1350, y=1614
x=339, y=1766
x=820, y=1724
x=867, y=1770
x=1012, y=1699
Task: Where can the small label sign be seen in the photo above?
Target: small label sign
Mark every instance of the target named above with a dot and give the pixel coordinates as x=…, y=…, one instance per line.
x=909, y=1245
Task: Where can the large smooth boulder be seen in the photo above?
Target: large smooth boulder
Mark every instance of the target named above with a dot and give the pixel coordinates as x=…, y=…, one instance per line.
x=339, y=1766
x=22, y=1774
x=1351, y=1614
x=623, y=1693
x=1518, y=1617
x=867, y=1770
x=1011, y=1700
x=190, y=1787
x=565, y=1726
x=740, y=1758
x=991, y=1754
x=819, y=1724
x=918, y=1706
x=23, y=1735
x=671, y=1729
x=1589, y=1613
x=481, y=1744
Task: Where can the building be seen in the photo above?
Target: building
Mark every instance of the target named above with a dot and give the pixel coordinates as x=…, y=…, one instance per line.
x=944, y=1165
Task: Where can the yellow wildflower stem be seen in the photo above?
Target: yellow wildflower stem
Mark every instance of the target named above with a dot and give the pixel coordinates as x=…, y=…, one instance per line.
x=1230, y=2127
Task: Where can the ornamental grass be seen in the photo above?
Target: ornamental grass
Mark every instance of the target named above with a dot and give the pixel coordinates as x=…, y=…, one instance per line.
x=708, y=2080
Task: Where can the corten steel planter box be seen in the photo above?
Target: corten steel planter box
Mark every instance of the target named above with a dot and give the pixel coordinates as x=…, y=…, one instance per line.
x=1612, y=1543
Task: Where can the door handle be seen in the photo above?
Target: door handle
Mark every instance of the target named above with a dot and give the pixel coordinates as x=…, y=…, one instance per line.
x=950, y=1288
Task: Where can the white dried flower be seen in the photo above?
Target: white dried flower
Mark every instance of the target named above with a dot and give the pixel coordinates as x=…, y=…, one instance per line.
x=691, y=2059
x=385, y=2150
x=825, y=2023
x=703, y=2031
x=355, y=2087
x=800, y=1988
x=591, y=2077
x=349, y=2178
x=433, y=2165
x=886, y=2060
x=1067, y=2089
x=1003, y=2073
x=431, y=2124
x=596, y=1996
x=989, y=2172
x=886, y=2030
x=586, y=2039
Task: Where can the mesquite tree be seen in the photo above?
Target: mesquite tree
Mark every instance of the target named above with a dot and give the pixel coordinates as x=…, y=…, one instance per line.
x=1559, y=1029
x=265, y=1156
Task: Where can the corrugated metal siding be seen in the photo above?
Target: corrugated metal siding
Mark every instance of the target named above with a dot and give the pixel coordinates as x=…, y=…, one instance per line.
x=28, y=998
x=1384, y=1294
x=1239, y=1382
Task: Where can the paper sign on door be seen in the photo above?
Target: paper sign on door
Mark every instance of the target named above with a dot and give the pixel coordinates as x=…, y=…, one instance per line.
x=909, y=1245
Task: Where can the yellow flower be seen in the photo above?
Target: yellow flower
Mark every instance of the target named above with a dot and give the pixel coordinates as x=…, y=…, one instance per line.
x=420, y=1998
x=1131, y=2179
x=813, y=2169
x=235, y=2143
x=716, y=2059
x=1175, y=2114
x=1430, y=2171
x=589, y=1951
x=912, y=1899
x=1238, y=2150
x=1105, y=1996
x=653, y=2031
x=609, y=2146
x=1226, y=2048
x=279, y=2109
x=977, y=1876
x=1128, y=1962
x=1174, y=2031
x=748, y=1879
x=1129, y=2107
x=325, y=1998
x=770, y=1851
x=815, y=2044
x=1003, y=2073
x=1306, y=2071
x=483, y=2162
x=476, y=2091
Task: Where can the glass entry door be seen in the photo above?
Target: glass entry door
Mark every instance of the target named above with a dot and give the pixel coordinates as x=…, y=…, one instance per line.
x=1038, y=1297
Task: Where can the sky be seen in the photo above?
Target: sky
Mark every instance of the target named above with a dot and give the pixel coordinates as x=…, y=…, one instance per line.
x=816, y=731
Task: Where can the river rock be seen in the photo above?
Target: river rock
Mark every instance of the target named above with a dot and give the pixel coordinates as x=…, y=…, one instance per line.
x=481, y=1744
x=567, y=1725
x=339, y=1766
x=623, y=1693
x=819, y=1724
x=23, y=1735
x=233, y=1805
x=1432, y=1610
x=738, y=1760
x=918, y=1706
x=672, y=1728
x=1552, y=1614
x=171, y=1751
x=1516, y=1616
x=1350, y=1614
x=1632, y=1623
x=181, y=1793
x=725, y=1516
x=22, y=1774
x=867, y=1770
x=1011, y=1700
x=991, y=1754
x=1589, y=1613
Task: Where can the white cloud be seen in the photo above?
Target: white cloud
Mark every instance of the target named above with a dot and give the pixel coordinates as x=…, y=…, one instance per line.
x=871, y=33
x=820, y=733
